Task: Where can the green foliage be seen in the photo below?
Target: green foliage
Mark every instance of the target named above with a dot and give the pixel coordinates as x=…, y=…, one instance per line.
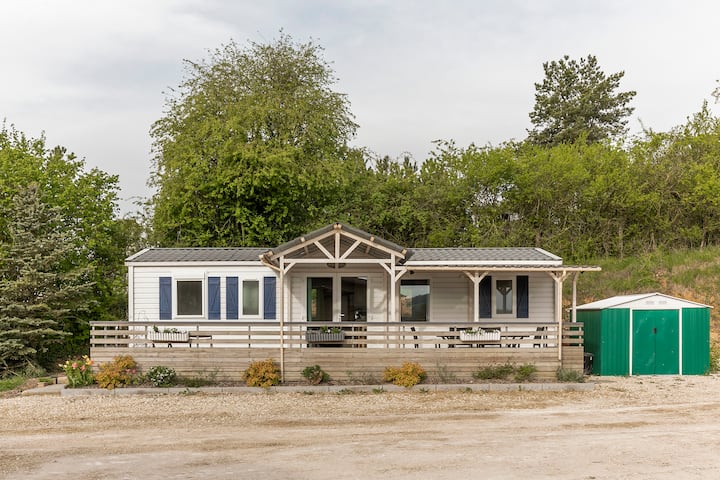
x=408, y=375
x=83, y=206
x=250, y=150
x=78, y=372
x=262, y=373
x=524, y=373
x=714, y=358
x=161, y=376
x=121, y=372
x=11, y=382
x=576, y=100
x=494, y=372
x=39, y=292
x=569, y=376
x=315, y=375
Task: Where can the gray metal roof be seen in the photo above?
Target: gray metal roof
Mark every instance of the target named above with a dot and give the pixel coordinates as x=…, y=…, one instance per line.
x=483, y=256
x=172, y=255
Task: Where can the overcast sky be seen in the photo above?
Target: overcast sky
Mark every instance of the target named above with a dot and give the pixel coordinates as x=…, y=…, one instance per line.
x=91, y=73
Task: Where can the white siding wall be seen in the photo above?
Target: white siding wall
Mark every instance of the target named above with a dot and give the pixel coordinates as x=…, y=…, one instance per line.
x=146, y=287
x=450, y=293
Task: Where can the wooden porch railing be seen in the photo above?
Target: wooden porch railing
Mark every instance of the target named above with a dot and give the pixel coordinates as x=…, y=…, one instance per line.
x=267, y=334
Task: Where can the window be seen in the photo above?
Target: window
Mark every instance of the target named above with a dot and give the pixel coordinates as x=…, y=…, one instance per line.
x=251, y=297
x=189, y=297
x=503, y=297
x=414, y=300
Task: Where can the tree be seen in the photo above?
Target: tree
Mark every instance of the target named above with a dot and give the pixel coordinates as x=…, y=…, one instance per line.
x=86, y=202
x=250, y=149
x=577, y=100
x=39, y=294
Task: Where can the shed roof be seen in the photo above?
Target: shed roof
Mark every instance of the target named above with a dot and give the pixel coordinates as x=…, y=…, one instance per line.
x=656, y=301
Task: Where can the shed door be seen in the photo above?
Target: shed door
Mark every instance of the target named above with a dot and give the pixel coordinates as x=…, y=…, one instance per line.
x=655, y=342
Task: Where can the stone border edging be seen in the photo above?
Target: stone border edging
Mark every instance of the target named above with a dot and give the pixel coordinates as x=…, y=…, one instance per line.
x=481, y=387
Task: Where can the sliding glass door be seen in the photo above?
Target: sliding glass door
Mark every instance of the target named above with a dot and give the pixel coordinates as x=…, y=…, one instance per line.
x=341, y=298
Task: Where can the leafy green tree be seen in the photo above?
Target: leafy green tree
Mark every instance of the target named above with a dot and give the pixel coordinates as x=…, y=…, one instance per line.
x=87, y=204
x=39, y=294
x=251, y=147
x=578, y=100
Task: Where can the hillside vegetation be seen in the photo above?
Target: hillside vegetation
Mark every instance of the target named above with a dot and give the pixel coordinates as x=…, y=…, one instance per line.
x=689, y=274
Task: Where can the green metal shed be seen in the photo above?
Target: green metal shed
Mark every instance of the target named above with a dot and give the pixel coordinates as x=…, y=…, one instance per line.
x=647, y=334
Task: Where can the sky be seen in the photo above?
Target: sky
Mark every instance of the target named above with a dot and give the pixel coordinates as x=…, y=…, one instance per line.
x=91, y=74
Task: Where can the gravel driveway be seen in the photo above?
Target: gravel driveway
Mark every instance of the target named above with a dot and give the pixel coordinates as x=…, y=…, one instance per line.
x=640, y=428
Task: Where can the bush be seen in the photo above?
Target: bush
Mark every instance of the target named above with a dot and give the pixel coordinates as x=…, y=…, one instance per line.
x=121, y=372
x=568, y=375
x=161, y=376
x=494, y=372
x=315, y=375
x=408, y=375
x=262, y=373
x=525, y=372
x=79, y=372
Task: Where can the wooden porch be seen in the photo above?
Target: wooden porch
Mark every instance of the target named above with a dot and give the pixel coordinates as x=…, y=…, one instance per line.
x=348, y=351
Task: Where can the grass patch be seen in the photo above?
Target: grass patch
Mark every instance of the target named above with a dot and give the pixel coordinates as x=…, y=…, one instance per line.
x=568, y=375
x=11, y=383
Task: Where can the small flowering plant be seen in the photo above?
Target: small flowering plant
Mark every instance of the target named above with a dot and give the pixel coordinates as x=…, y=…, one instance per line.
x=79, y=371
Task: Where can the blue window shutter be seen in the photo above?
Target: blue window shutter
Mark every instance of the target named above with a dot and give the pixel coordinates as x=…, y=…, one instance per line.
x=523, y=296
x=214, y=298
x=231, y=298
x=486, y=297
x=269, y=310
x=165, y=298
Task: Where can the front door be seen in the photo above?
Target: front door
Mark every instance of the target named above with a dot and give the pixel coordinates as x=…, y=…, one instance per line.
x=655, y=342
x=334, y=298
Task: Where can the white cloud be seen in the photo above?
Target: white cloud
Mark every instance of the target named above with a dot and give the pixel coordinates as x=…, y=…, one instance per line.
x=91, y=73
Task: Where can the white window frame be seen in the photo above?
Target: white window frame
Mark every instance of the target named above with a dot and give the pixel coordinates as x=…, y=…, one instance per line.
x=495, y=313
x=428, y=310
x=203, y=287
x=241, y=297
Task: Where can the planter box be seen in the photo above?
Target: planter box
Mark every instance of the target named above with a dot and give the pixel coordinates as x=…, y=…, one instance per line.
x=314, y=336
x=481, y=336
x=180, y=337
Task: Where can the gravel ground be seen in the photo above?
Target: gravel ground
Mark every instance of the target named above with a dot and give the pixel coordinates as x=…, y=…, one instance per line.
x=644, y=427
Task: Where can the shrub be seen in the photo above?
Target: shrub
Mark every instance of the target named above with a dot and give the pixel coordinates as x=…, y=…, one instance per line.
x=494, y=372
x=78, y=371
x=408, y=375
x=568, y=375
x=315, y=375
x=121, y=372
x=262, y=373
x=525, y=372
x=161, y=376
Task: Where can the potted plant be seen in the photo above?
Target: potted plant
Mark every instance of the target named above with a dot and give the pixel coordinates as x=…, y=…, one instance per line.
x=479, y=335
x=325, y=335
x=167, y=335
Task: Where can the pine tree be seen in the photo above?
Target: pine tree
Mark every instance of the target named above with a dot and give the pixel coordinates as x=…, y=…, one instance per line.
x=39, y=290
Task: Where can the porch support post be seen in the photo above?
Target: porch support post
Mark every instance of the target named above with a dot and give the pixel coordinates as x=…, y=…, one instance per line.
x=475, y=278
x=574, y=297
x=282, y=319
x=559, y=278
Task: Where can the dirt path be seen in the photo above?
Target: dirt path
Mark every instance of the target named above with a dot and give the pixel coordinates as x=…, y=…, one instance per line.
x=640, y=428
